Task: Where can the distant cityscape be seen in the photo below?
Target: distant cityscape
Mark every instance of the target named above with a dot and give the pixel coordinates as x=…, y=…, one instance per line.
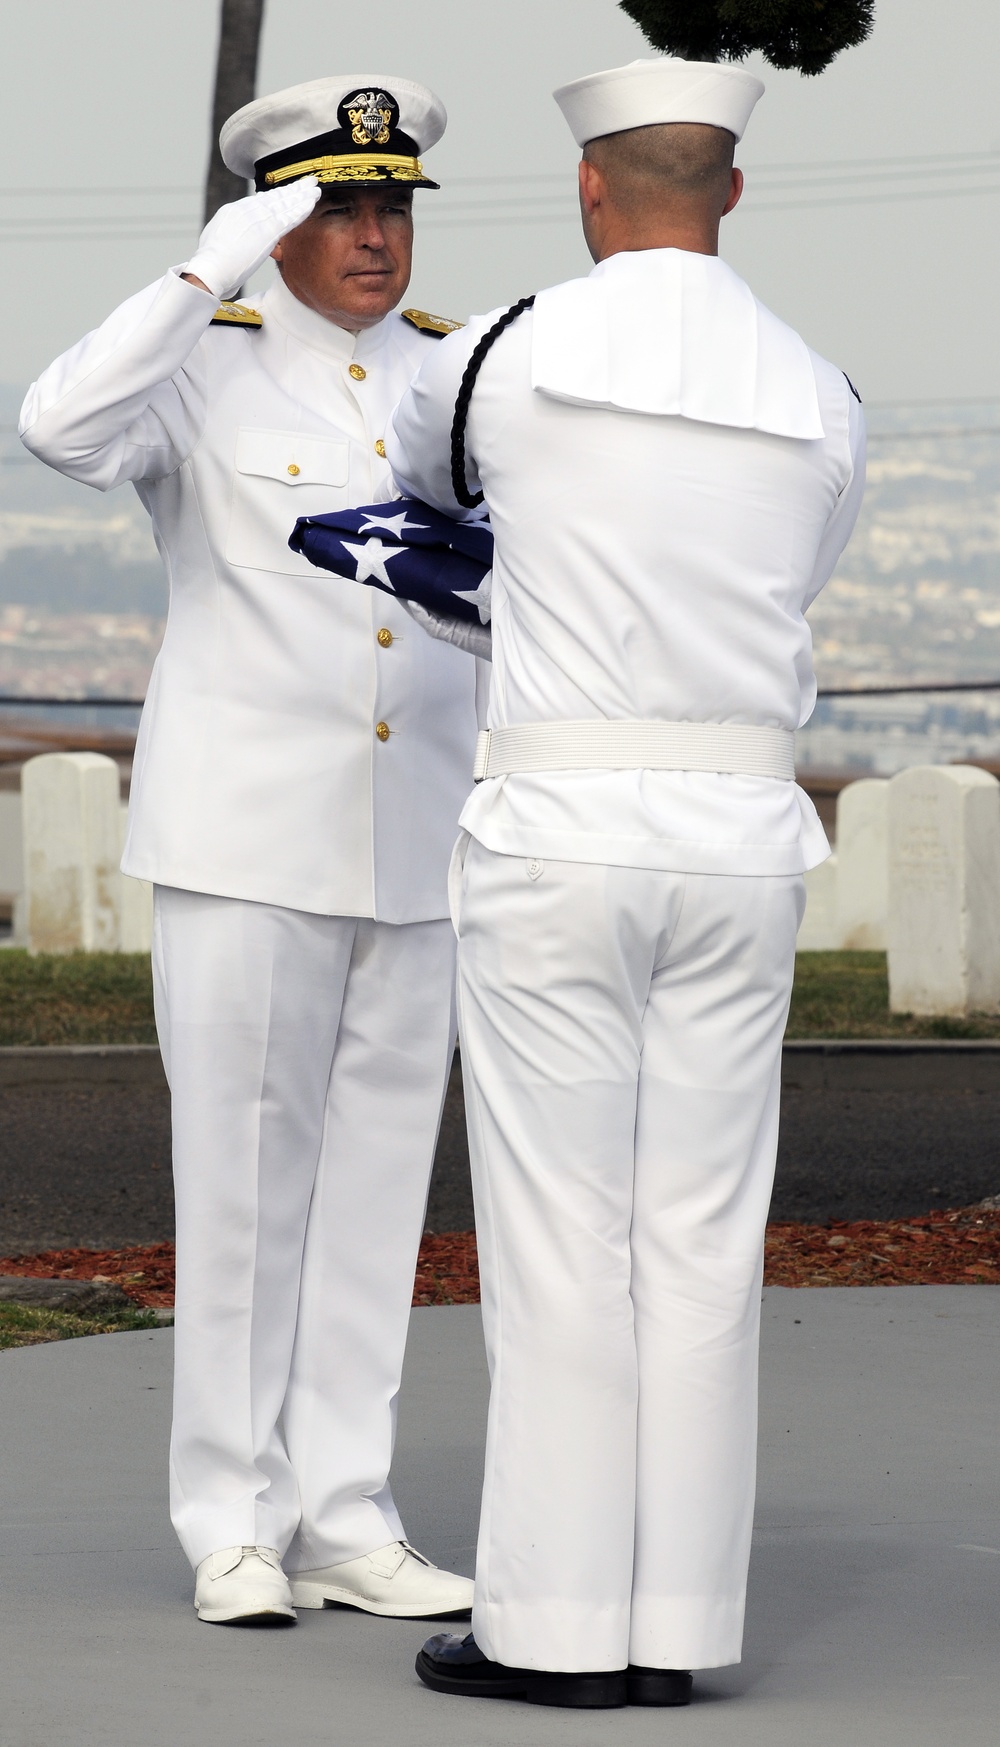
x=58, y=655
x=916, y=598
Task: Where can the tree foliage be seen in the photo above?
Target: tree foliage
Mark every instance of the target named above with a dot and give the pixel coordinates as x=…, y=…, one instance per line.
x=806, y=34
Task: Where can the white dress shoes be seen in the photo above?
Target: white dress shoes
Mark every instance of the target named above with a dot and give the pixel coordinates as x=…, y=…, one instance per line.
x=396, y=1581
x=243, y=1585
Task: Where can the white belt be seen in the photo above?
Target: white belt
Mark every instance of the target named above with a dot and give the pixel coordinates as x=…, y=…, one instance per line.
x=730, y=748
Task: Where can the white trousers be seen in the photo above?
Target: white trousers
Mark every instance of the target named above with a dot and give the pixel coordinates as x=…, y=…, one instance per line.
x=621, y=1037
x=307, y=1058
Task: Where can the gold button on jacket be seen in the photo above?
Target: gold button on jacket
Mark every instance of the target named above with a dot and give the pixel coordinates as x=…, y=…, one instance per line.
x=382, y=730
x=293, y=469
x=380, y=448
x=385, y=637
x=358, y=371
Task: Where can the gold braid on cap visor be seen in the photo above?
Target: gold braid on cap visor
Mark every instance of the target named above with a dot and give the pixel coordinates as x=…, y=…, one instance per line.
x=351, y=167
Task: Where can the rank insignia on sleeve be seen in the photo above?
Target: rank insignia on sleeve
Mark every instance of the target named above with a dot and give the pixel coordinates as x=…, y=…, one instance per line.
x=431, y=324
x=236, y=315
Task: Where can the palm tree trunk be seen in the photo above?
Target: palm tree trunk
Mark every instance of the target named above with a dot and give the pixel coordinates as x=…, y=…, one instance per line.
x=235, y=84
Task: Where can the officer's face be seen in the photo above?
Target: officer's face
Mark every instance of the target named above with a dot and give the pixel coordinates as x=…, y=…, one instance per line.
x=350, y=260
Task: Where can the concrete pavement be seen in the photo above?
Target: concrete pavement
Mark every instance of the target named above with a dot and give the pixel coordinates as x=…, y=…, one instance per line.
x=874, y=1615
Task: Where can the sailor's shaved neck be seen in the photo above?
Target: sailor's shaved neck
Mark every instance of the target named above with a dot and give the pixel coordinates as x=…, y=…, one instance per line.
x=658, y=187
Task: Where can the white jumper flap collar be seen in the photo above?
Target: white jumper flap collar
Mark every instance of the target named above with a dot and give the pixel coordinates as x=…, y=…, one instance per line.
x=665, y=331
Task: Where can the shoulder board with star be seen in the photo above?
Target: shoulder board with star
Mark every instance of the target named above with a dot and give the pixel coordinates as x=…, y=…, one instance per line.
x=438, y=325
x=236, y=315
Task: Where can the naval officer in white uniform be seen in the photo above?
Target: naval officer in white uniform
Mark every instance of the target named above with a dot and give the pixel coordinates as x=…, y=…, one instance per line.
x=671, y=475
x=302, y=759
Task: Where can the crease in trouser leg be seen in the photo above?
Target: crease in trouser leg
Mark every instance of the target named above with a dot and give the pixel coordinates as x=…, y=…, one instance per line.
x=625, y=1540
x=249, y=996
x=383, y=1112
x=706, y=1144
x=551, y=1140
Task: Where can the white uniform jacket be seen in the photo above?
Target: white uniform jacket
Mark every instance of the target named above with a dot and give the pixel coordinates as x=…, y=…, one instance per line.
x=258, y=771
x=671, y=476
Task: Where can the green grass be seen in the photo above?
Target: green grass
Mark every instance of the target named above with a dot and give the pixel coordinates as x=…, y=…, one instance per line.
x=846, y=994
x=107, y=997
x=82, y=997
x=21, y=1326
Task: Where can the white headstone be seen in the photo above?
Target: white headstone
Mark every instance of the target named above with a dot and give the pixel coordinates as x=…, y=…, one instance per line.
x=136, y=933
x=70, y=812
x=818, y=929
x=944, y=890
x=863, y=865
x=11, y=845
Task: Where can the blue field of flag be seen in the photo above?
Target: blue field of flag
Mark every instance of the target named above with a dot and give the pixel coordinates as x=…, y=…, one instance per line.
x=406, y=549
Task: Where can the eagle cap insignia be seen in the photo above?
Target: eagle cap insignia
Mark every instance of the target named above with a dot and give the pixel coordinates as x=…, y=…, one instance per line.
x=371, y=115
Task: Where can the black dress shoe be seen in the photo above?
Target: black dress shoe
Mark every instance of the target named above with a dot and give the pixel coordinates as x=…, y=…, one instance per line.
x=451, y=1664
x=657, y=1686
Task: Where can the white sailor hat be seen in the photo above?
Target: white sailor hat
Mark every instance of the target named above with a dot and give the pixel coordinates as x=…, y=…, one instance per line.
x=353, y=127
x=649, y=92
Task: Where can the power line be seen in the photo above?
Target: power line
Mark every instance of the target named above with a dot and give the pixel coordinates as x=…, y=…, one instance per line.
x=916, y=688
x=75, y=703
x=56, y=191
x=863, y=165
x=957, y=174
x=473, y=215
x=938, y=400
x=891, y=196
x=869, y=163
x=889, y=691
x=897, y=175
x=935, y=436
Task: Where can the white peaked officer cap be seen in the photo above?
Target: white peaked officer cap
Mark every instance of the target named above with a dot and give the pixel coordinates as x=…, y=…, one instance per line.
x=650, y=92
x=358, y=128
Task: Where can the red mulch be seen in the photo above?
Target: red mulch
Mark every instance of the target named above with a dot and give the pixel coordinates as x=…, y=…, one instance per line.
x=956, y=1248
x=447, y=1269
x=145, y=1272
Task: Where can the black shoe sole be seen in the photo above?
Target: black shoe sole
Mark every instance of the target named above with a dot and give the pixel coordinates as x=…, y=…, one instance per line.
x=654, y=1686
x=578, y=1692
x=256, y=1622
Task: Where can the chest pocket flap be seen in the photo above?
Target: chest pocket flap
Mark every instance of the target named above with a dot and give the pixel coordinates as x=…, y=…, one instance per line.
x=292, y=459
x=264, y=509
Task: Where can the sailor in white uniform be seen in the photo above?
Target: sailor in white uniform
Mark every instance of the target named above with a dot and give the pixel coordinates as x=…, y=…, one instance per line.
x=671, y=475
x=303, y=756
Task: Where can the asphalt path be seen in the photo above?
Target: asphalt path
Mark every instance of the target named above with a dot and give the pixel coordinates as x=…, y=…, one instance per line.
x=90, y=1165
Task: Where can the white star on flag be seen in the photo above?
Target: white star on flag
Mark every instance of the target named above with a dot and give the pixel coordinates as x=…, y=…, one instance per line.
x=372, y=559
x=480, y=597
x=395, y=525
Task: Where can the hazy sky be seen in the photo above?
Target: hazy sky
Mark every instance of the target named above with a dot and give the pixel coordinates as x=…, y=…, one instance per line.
x=103, y=120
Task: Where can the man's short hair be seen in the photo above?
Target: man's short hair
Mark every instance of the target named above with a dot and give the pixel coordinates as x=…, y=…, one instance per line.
x=651, y=166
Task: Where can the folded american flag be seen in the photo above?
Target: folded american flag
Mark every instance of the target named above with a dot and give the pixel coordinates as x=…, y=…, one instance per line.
x=407, y=549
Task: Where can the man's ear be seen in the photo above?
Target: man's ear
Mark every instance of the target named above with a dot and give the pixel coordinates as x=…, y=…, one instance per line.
x=735, y=190
x=276, y=253
x=592, y=190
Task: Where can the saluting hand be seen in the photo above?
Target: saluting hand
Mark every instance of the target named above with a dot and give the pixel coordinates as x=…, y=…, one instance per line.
x=241, y=236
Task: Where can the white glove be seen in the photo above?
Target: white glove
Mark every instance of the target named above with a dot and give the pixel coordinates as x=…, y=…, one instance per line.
x=474, y=639
x=240, y=237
